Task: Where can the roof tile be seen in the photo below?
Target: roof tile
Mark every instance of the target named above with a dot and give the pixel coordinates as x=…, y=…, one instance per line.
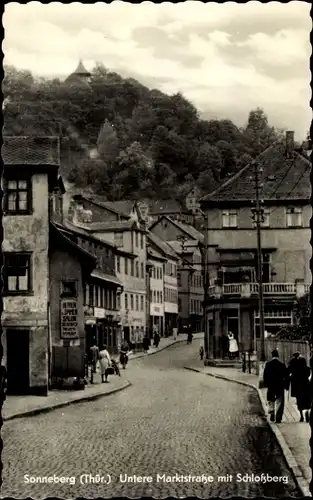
x=26, y=150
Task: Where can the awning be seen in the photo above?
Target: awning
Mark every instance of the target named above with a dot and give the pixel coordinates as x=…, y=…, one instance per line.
x=106, y=277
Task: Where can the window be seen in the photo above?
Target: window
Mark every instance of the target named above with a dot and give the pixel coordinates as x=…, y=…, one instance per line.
x=91, y=297
x=141, y=241
x=136, y=236
x=161, y=297
x=126, y=301
x=142, y=271
x=294, y=217
x=118, y=301
x=158, y=296
x=126, y=265
x=179, y=305
x=118, y=264
x=118, y=239
x=68, y=289
x=132, y=268
x=18, y=196
x=132, y=302
x=178, y=279
x=101, y=298
x=154, y=297
x=137, y=303
x=229, y=219
x=97, y=300
x=17, y=273
x=104, y=298
x=141, y=303
x=264, y=218
x=161, y=273
x=137, y=269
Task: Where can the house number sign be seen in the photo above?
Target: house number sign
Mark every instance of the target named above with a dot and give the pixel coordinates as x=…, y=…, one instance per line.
x=69, y=324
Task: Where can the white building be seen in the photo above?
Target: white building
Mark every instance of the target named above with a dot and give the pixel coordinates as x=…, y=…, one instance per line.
x=170, y=294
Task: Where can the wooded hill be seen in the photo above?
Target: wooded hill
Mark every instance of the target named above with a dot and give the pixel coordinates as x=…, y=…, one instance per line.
x=127, y=141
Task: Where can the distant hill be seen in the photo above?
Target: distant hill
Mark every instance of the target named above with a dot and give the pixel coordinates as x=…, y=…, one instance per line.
x=127, y=141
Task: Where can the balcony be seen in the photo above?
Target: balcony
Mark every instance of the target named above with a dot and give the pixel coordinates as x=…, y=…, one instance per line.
x=246, y=290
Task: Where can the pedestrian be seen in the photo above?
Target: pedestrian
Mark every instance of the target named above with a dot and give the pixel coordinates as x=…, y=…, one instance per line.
x=146, y=343
x=300, y=385
x=94, y=356
x=156, y=339
x=201, y=352
x=189, y=335
x=174, y=333
x=105, y=363
x=276, y=379
x=233, y=346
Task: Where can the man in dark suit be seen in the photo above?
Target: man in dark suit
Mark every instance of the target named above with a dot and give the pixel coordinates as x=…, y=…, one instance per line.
x=276, y=379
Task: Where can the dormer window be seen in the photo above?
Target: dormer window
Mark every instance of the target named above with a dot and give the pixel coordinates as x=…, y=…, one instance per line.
x=294, y=217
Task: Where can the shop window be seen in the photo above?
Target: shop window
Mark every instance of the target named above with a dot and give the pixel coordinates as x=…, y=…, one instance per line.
x=17, y=273
x=18, y=196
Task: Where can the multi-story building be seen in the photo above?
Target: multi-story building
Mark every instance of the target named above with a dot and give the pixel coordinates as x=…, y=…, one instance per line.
x=153, y=210
x=125, y=234
x=102, y=289
x=285, y=245
x=187, y=242
x=170, y=293
x=42, y=320
x=156, y=289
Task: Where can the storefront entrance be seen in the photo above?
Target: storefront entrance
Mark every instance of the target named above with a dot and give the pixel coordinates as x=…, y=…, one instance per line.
x=17, y=361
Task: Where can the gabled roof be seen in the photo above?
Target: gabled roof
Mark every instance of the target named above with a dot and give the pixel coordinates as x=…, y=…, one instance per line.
x=155, y=255
x=110, y=226
x=68, y=226
x=59, y=234
x=26, y=150
x=123, y=207
x=163, y=246
x=186, y=228
x=160, y=207
x=283, y=179
x=99, y=201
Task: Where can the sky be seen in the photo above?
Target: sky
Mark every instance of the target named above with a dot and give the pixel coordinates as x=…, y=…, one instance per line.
x=225, y=58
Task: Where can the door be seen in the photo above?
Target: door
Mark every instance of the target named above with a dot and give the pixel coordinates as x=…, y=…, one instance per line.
x=18, y=361
x=126, y=333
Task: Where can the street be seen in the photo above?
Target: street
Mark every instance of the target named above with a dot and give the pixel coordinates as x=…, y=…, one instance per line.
x=170, y=421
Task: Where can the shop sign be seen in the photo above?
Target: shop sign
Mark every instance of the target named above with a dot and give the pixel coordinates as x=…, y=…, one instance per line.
x=156, y=309
x=99, y=313
x=69, y=320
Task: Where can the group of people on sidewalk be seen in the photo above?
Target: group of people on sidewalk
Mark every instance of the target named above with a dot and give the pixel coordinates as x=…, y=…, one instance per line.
x=107, y=365
x=279, y=378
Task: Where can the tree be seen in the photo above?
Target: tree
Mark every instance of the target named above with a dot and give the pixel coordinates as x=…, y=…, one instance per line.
x=258, y=133
x=209, y=159
x=132, y=170
x=301, y=329
x=107, y=144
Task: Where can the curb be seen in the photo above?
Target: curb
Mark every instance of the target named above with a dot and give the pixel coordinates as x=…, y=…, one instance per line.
x=162, y=348
x=46, y=409
x=300, y=480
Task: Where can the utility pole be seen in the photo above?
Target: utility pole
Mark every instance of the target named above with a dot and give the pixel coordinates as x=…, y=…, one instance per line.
x=258, y=217
x=183, y=239
x=207, y=349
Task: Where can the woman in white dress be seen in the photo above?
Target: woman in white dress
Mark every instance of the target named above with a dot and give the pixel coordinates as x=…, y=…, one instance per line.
x=233, y=345
x=105, y=363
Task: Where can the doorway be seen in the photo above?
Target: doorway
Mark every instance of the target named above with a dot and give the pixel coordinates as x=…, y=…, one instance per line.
x=232, y=326
x=17, y=361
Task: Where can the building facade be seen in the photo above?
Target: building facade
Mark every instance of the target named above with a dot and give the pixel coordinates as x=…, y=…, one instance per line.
x=30, y=174
x=170, y=293
x=188, y=244
x=285, y=245
x=156, y=290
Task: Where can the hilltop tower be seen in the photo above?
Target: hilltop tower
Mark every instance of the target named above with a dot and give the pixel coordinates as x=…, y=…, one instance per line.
x=79, y=77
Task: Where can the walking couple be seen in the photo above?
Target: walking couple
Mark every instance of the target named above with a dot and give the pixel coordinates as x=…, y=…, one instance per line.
x=104, y=359
x=277, y=378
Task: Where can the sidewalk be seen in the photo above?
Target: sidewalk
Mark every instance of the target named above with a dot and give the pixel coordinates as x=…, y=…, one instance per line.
x=165, y=342
x=292, y=436
x=23, y=406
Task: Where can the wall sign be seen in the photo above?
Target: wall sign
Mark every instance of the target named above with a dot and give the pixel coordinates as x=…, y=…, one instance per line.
x=69, y=323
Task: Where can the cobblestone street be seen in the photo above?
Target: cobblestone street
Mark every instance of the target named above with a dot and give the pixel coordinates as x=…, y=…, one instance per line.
x=169, y=421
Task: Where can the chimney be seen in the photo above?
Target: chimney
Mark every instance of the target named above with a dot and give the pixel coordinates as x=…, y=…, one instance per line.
x=290, y=143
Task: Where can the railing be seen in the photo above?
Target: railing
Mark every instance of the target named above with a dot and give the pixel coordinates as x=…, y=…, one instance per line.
x=248, y=289
x=280, y=288
x=233, y=289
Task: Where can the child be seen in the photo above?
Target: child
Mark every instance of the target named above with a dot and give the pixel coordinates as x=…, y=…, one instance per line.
x=201, y=352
